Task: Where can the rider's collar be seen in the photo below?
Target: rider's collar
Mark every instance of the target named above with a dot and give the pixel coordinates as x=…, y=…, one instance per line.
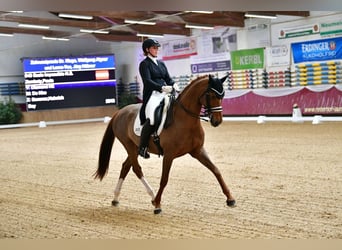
x=154, y=59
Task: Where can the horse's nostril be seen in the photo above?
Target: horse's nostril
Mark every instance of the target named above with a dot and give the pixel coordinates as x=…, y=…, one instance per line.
x=215, y=123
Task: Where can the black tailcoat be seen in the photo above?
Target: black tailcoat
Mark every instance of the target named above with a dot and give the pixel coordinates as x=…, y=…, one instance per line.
x=153, y=77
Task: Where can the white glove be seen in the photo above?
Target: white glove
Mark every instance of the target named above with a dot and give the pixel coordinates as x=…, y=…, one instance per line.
x=176, y=87
x=167, y=89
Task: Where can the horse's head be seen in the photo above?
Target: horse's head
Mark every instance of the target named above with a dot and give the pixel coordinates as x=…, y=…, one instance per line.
x=212, y=100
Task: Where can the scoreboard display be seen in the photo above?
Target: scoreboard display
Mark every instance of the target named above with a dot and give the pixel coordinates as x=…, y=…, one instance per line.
x=69, y=82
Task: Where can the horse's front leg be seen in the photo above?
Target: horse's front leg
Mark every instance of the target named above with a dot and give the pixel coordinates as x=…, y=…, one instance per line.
x=167, y=162
x=203, y=157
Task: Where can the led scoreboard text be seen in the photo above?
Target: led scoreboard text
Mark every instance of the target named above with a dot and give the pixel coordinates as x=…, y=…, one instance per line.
x=67, y=82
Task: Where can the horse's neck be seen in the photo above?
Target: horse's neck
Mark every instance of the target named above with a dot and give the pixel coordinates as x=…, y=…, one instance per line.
x=190, y=99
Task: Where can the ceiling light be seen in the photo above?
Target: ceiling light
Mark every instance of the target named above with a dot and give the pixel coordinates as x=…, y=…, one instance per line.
x=195, y=26
x=139, y=22
x=33, y=26
x=201, y=11
x=83, y=17
x=55, y=38
x=6, y=34
x=256, y=15
x=149, y=35
x=95, y=31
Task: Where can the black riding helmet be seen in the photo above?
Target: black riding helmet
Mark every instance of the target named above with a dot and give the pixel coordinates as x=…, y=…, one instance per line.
x=148, y=43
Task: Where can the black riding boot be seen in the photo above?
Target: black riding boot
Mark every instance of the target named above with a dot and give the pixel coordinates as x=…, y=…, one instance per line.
x=144, y=139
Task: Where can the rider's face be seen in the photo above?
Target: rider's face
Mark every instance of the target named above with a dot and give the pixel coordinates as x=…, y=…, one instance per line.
x=153, y=51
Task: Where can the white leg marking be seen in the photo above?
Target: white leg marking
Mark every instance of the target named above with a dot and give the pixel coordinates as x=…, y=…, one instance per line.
x=118, y=189
x=148, y=187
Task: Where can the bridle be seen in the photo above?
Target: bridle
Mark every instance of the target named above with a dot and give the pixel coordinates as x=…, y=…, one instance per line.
x=208, y=110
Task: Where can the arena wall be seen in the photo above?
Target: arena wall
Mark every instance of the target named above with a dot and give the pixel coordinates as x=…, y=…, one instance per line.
x=68, y=114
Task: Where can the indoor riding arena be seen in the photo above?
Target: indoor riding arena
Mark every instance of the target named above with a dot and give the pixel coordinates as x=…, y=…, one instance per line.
x=266, y=86
x=285, y=177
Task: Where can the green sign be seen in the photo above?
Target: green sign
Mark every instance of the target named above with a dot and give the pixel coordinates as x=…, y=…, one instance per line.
x=247, y=59
x=299, y=33
x=304, y=30
x=332, y=28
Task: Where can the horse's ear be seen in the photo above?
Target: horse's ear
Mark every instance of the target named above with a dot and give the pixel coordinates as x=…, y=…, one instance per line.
x=223, y=79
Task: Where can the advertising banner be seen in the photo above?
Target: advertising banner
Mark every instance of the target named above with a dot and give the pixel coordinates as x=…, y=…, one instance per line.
x=299, y=31
x=180, y=48
x=198, y=68
x=324, y=100
x=213, y=51
x=332, y=28
x=248, y=59
x=278, y=55
x=317, y=50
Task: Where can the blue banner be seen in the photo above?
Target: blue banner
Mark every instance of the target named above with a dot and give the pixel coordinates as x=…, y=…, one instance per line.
x=210, y=67
x=318, y=50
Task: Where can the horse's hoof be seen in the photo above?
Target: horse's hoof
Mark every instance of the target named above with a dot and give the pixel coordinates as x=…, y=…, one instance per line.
x=115, y=203
x=157, y=210
x=231, y=203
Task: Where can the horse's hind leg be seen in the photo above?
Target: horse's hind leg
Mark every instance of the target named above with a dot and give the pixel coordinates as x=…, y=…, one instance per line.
x=126, y=166
x=138, y=172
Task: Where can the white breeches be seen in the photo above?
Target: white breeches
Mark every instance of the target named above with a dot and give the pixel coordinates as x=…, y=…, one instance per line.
x=152, y=103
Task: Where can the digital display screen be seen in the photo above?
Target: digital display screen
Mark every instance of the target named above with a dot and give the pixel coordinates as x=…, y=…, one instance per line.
x=69, y=82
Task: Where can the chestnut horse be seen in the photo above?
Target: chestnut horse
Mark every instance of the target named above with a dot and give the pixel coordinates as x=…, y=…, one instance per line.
x=184, y=135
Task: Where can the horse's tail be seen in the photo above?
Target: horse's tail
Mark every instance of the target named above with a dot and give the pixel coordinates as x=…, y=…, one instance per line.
x=105, y=151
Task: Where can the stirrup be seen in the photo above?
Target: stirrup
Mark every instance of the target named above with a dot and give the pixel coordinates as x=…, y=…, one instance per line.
x=144, y=153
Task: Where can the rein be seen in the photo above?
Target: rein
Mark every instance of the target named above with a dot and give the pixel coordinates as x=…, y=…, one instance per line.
x=208, y=109
x=191, y=113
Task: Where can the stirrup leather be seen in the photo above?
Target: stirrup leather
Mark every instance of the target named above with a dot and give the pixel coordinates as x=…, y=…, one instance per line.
x=156, y=141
